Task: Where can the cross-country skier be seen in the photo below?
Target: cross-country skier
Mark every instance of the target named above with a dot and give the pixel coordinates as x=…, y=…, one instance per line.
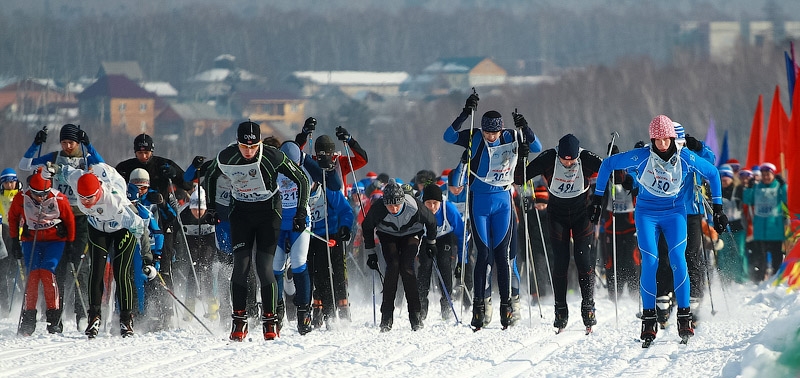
x=326, y=154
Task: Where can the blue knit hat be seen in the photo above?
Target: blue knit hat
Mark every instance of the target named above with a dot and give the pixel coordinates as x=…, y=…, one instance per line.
x=492, y=121
x=7, y=175
x=725, y=170
x=292, y=151
x=680, y=131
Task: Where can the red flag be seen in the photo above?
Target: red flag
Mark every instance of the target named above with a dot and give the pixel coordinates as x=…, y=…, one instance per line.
x=774, y=146
x=793, y=158
x=754, y=153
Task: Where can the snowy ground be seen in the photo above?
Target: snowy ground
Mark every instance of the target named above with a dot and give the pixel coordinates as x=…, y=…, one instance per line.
x=744, y=338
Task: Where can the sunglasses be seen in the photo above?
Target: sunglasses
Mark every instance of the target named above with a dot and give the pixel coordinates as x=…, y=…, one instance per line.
x=250, y=146
x=89, y=197
x=39, y=193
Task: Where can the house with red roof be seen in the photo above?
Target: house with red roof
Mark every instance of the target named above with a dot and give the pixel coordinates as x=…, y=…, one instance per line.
x=117, y=102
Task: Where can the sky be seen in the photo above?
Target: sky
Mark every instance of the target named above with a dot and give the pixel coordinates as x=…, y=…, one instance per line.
x=752, y=327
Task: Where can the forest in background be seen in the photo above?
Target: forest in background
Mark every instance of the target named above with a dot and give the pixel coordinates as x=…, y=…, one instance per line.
x=617, y=70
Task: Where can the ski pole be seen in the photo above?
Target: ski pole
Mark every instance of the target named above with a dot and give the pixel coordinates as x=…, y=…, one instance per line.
x=374, y=305
x=614, y=136
x=703, y=249
x=529, y=263
x=77, y=284
x=30, y=262
x=329, y=244
x=355, y=179
x=467, y=225
x=183, y=235
x=445, y=291
x=163, y=284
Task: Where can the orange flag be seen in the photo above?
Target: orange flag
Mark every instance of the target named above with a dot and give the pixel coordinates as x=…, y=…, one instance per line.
x=754, y=152
x=774, y=146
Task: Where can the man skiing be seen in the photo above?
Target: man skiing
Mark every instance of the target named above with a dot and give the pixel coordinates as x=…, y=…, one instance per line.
x=326, y=154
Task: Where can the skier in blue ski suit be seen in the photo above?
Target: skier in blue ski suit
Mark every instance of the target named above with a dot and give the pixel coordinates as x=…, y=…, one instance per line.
x=493, y=158
x=663, y=173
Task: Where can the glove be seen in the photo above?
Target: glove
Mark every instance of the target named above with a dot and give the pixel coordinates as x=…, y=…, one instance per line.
x=198, y=161
x=693, y=144
x=212, y=217
x=372, y=261
x=40, y=138
x=430, y=249
x=83, y=138
x=519, y=120
x=310, y=125
x=344, y=233
x=459, y=269
x=342, y=134
x=720, y=219
x=627, y=183
x=471, y=104
x=154, y=197
x=137, y=231
x=168, y=171
x=61, y=230
x=16, y=249
x=157, y=260
x=150, y=271
x=595, y=209
x=299, y=221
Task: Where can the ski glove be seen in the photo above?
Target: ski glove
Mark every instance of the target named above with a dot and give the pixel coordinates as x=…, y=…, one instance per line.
x=344, y=233
x=168, y=171
x=83, y=138
x=471, y=104
x=459, y=269
x=198, y=161
x=342, y=134
x=372, y=261
x=693, y=144
x=155, y=198
x=430, y=248
x=16, y=249
x=595, y=209
x=519, y=120
x=299, y=221
x=310, y=125
x=40, y=138
x=150, y=271
x=720, y=219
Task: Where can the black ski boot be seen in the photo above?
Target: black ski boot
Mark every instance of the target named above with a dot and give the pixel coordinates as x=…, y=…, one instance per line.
x=269, y=324
x=588, y=315
x=685, y=326
x=239, y=325
x=663, y=309
x=562, y=316
x=506, y=314
x=317, y=314
x=416, y=321
x=280, y=311
x=54, y=324
x=386, y=321
x=28, y=323
x=126, y=324
x=93, y=325
x=304, y=319
x=478, y=313
x=649, y=327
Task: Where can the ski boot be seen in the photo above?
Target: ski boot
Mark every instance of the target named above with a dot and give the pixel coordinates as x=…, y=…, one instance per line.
x=685, y=326
x=694, y=306
x=239, y=325
x=93, y=325
x=28, y=323
x=562, y=316
x=54, y=324
x=588, y=315
x=649, y=327
x=478, y=314
x=269, y=324
x=516, y=308
x=487, y=312
x=663, y=309
x=317, y=315
x=506, y=314
x=280, y=311
x=386, y=321
x=423, y=308
x=416, y=321
x=126, y=324
x=304, y=319
x=344, y=309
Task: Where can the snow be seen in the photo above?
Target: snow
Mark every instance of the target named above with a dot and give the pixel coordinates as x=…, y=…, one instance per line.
x=745, y=338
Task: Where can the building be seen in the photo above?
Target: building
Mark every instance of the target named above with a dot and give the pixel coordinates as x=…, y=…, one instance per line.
x=351, y=83
x=282, y=112
x=718, y=40
x=38, y=102
x=116, y=102
x=448, y=74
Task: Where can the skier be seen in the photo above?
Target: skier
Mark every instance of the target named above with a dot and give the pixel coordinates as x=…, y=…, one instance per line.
x=76, y=152
x=732, y=258
x=492, y=159
x=165, y=178
x=9, y=187
x=326, y=154
x=115, y=227
x=450, y=235
x=663, y=172
x=199, y=225
x=47, y=223
x=567, y=169
x=252, y=169
x=399, y=221
x=767, y=200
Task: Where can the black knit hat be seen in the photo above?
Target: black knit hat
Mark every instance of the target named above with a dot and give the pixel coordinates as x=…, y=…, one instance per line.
x=432, y=192
x=143, y=142
x=568, y=147
x=248, y=133
x=324, y=144
x=69, y=132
